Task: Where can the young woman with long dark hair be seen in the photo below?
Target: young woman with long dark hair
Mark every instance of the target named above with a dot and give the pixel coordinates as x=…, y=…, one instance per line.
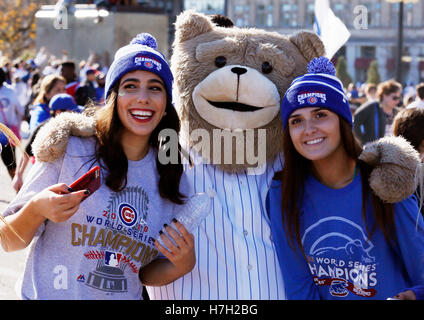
x=99, y=248
x=334, y=237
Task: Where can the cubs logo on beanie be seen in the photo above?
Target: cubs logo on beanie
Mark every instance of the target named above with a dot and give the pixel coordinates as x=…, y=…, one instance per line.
x=317, y=88
x=140, y=54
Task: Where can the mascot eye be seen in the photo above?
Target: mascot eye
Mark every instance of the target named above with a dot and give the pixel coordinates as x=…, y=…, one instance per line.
x=220, y=61
x=266, y=67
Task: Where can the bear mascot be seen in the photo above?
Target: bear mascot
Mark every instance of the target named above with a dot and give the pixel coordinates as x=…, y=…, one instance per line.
x=228, y=85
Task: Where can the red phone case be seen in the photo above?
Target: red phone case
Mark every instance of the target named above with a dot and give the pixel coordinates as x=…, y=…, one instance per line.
x=91, y=181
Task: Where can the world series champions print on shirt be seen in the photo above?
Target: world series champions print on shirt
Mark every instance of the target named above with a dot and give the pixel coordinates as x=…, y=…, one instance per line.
x=342, y=258
x=118, y=241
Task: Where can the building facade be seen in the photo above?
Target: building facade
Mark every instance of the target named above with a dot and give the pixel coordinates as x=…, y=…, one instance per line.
x=206, y=6
x=372, y=24
x=82, y=27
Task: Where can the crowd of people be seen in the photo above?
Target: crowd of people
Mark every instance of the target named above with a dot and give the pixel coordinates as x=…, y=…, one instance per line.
x=377, y=109
x=27, y=94
x=39, y=89
x=386, y=109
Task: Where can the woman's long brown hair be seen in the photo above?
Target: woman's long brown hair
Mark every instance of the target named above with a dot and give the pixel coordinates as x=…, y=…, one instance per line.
x=296, y=168
x=111, y=155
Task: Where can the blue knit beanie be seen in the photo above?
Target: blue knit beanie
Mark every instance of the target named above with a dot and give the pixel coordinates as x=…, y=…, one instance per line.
x=317, y=88
x=141, y=54
x=64, y=101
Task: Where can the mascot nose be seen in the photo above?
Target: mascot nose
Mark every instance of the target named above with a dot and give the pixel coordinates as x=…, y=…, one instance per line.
x=239, y=71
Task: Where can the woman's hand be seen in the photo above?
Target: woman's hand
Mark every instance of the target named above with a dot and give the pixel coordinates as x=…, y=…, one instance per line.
x=57, y=203
x=406, y=295
x=181, y=255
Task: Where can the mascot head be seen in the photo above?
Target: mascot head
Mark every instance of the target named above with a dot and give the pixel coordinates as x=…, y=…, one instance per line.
x=229, y=83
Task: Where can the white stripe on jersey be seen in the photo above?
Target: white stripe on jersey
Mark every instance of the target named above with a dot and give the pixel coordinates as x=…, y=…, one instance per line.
x=235, y=255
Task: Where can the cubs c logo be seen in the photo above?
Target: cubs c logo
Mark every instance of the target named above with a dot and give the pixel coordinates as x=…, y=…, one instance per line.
x=127, y=214
x=148, y=64
x=312, y=100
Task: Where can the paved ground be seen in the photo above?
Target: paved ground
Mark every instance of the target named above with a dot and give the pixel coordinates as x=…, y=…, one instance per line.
x=11, y=264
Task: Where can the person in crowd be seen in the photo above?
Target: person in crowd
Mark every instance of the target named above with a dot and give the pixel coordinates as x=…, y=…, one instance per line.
x=370, y=91
x=86, y=90
x=374, y=119
x=50, y=86
x=100, y=89
x=67, y=71
x=407, y=100
x=137, y=196
x=6, y=65
x=11, y=114
x=61, y=102
x=409, y=123
x=409, y=90
x=21, y=89
x=353, y=96
x=34, y=89
x=20, y=71
x=82, y=69
x=334, y=237
x=419, y=100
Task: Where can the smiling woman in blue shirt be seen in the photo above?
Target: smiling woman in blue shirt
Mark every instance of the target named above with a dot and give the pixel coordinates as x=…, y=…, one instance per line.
x=335, y=238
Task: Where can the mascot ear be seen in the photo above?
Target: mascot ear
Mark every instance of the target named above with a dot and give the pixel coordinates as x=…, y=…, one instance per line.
x=309, y=44
x=190, y=24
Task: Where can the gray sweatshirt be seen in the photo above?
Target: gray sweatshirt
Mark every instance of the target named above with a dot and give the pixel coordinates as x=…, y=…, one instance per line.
x=97, y=253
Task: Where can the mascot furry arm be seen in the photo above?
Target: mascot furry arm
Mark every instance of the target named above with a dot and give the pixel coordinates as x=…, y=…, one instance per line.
x=394, y=159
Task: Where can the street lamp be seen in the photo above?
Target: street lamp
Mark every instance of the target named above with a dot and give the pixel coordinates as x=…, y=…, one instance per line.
x=225, y=8
x=400, y=37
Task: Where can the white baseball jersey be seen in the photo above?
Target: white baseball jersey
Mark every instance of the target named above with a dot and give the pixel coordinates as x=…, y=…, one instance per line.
x=235, y=254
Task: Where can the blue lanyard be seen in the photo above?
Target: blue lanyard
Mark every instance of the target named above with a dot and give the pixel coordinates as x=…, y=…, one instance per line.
x=376, y=122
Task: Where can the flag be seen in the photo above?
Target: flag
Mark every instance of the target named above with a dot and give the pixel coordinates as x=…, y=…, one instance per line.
x=329, y=28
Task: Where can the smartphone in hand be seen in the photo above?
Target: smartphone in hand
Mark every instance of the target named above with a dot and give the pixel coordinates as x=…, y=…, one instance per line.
x=89, y=181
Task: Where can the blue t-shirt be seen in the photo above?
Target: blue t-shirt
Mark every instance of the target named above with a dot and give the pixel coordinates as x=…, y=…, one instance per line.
x=342, y=263
x=39, y=114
